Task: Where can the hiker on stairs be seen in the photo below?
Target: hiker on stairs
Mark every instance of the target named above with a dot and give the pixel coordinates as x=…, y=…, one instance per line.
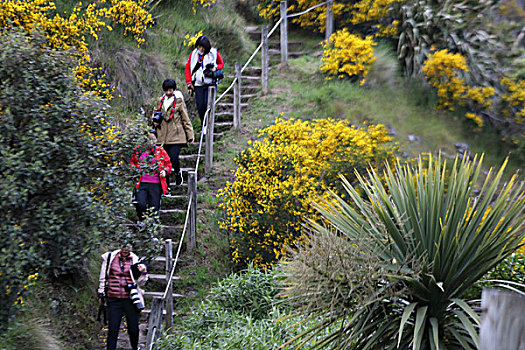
x=201, y=71
x=153, y=184
x=173, y=126
x=121, y=276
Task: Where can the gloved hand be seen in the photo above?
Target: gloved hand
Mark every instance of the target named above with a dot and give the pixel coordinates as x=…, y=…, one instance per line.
x=191, y=90
x=163, y=173
x=190, y=141
x=102, y=298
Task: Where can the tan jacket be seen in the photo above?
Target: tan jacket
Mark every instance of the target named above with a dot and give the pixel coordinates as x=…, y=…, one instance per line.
x=178, y=129
x=102, y=278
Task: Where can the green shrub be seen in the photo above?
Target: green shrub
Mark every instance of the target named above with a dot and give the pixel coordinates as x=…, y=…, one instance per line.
x=64, y=168
x=393, y=265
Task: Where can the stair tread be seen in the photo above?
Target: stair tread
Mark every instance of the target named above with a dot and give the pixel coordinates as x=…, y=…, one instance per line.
x=160, y=276
x=172, y=211
x=164, y=312
x=228, y=104
x=160, y=294
x=223, y=124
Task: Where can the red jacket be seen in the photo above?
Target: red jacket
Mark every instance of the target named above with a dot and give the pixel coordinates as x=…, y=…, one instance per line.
x=187, y=69
x=162, y=159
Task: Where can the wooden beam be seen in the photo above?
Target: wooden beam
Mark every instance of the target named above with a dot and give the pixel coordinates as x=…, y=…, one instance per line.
x=192, y=220
x=237, y=97
x=265, y=59
x=208, y=159
x=502, y=321
x=169, y=297
x=155, y=322
x=284, y=32
x=329, y=19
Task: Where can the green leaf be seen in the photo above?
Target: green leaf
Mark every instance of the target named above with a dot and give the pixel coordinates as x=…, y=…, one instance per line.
x=404, y=318
x=421, y=316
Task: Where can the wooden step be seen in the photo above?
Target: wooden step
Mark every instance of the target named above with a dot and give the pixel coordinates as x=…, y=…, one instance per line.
x=224, y=124
x=176, y=196
x=246, y=77
x=168, y=211
x=189, y=156
x=164, y=312
x=227, y=104
x=161, y=259
x=160, y=295
x=160, y=277
x=223, y=113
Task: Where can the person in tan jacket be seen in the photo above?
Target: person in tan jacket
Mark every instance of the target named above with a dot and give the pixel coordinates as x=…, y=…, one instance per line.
x=173, y=125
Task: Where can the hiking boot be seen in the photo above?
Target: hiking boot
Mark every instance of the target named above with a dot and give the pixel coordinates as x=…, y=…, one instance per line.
x=179, y=179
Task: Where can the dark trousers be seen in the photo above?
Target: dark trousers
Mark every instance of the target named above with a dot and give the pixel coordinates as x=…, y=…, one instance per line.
x=148, y=196
x=201, y=98
x=116, y=308
x=173, y=152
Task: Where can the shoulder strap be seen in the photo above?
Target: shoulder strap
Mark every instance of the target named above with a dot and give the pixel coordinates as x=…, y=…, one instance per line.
x=107, y=275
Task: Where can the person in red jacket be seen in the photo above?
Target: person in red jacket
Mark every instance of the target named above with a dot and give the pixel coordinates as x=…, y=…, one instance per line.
x=203, y=62
x=156, y=165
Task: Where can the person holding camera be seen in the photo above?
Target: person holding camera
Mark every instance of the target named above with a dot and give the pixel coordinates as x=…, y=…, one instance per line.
x=203, y=69
x=155, y=164
x=121, y=274
x=173, y=125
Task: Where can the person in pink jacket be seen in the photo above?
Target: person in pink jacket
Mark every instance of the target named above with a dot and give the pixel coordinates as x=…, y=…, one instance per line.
x=121, y=275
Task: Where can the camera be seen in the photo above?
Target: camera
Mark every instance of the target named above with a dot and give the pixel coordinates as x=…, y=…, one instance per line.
x=134, y=295
x=214, y=75
x=158, y=117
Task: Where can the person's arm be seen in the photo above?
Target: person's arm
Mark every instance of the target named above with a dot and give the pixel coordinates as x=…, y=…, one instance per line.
x=187, y=72
x=186, y=122
x=102, y=276
x=166, y=162
x=220, y=62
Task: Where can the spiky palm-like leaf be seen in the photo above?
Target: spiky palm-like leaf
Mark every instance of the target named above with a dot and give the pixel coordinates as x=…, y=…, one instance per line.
x=387, y=269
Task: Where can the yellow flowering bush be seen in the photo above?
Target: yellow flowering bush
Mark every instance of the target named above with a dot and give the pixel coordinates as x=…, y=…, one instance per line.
x=201, y=3
x=347, y=55
x=72, y=31
x=132, y=16
x=191, y=40
x=444, y=71
x=344, y=12
x=267, y=203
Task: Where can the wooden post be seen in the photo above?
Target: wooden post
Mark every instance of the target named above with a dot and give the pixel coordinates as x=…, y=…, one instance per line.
x=265, y=62
x=284, y=32
x=169, y=297
x=210, y=127
x=155, y=322
x=237, y=97
x=502, y=321
x=192, y=220
x=329, y=19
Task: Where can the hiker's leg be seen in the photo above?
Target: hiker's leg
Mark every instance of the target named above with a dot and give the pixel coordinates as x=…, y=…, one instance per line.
x=132, y=320
x=154, y=194
x=173, y=152
x=142, y=201
x=201, y=99
x=114, y=317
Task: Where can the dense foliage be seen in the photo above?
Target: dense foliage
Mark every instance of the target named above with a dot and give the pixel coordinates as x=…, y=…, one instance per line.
x=266, y=205
x=73, y=30
x=394, y=264
x=63, y=165
x=242, y=312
